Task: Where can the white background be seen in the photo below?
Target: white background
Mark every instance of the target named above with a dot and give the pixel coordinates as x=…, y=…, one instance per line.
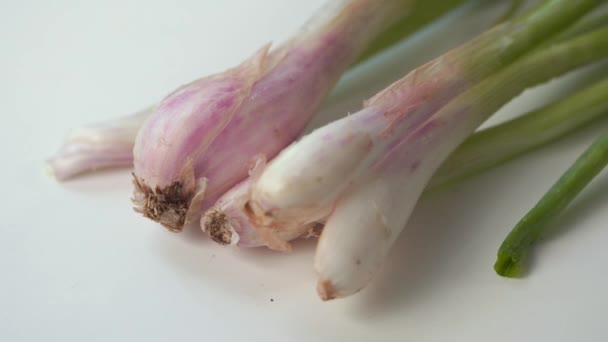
x=76, y=264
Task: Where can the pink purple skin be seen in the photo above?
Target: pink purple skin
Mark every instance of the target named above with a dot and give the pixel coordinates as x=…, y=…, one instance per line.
x=388, y=117
x=217, y=124
x=186, y=122
x=76, y=159
x=270, y=118
x=233, y=139
x=102, y=145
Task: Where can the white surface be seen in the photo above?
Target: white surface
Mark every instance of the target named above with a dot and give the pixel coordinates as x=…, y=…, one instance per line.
x=78, y=265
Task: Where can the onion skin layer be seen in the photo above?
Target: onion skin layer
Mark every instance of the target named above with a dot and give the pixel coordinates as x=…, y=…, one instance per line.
x=201, y=139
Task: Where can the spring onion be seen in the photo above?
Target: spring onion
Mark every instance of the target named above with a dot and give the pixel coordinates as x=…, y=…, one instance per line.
x=110, y=144
x=200, y=140
x=364, y=173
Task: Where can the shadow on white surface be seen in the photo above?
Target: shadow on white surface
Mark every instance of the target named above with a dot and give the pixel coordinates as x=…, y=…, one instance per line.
x=445, y=241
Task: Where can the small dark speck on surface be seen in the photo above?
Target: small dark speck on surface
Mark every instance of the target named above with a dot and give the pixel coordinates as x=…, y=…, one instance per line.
x=272, y=300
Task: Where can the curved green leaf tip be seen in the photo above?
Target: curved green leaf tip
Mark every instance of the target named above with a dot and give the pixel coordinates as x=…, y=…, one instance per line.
x=508, y=266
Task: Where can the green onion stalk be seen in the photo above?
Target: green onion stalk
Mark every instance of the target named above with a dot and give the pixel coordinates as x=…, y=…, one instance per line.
x=515, y=249
x=362, y=175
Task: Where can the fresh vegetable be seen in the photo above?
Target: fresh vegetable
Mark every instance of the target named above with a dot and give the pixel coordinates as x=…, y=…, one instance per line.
x=201, y=138
x=516, y=247
x=368, y=169
x=96, y=156
x=497, y=144
x=355, y=181
x=473, y=17
x=110, y=144
x=483, y=150
x=96, y=146
x=365, y=223
x=298, y=166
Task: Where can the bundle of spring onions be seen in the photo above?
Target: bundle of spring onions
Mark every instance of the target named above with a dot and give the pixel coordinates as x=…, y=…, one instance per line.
x=221, y=152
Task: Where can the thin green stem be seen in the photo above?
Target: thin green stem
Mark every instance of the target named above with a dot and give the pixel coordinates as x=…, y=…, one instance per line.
x=511, y=11
x=503, y=142
x=505, y=43
x=492, y=93
x=495, y=145
x=535, y=26
x=516, y=247
x=421, y=14
x=591, y=22
x=496, y=49
x=466, y=112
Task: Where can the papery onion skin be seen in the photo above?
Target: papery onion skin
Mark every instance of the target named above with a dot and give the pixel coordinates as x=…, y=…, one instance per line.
x=208, y=131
